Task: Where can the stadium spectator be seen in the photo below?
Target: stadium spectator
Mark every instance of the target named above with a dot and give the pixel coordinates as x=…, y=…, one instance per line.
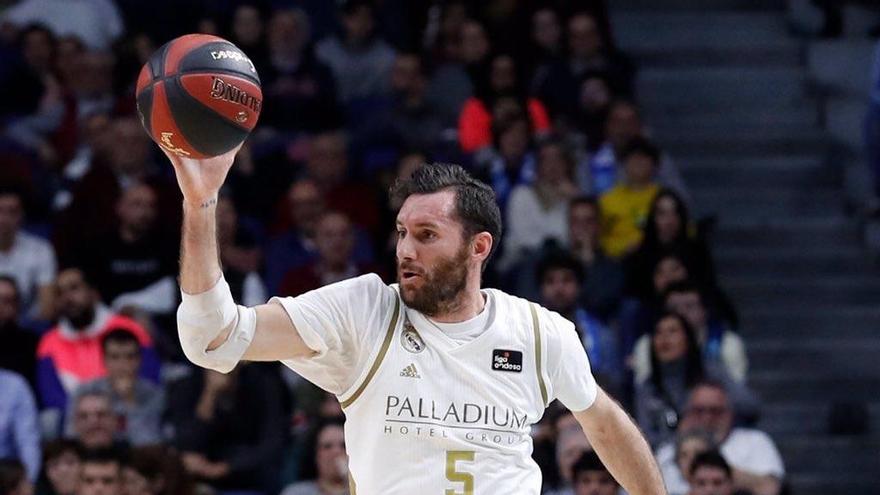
x=463, y=46
x=328, y=166
x=511, y=161
x=676, y=366
x=571, y=444
x=95, y=425
x=622, y=125
x=239, y=254
x=755, y=461
x=560, y=277
x=247, y=30
x=19, y=350
x=155, y=470
x=25, y=257
x=334, y=240
x=546, y=38
x=69, y=354
x=61, y=463
x=300, y=87
x=100, y=473
x=324, y=464
x=137, y=402
x=97, y=22
x=359, y=60
x=587, y=52
x=133, y=265
x=676, y=472
x=711, y=475
x=625, y=206
x=19, y=432
x=668, y=228
x=591, y=477
x=13, y=478
x=228, y=427
x=499, y=91
x=604, y=277
x=539, y=211
x=30, y=76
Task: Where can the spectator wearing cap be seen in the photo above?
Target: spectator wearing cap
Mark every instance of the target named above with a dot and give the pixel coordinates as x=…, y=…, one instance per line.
x=19, y=350
x=70, y=354
x=359, y=60
x=753, y=457
x=625, y=207
x=560, y=277
x=27, y=258
x=19, y=433
x=138, y=403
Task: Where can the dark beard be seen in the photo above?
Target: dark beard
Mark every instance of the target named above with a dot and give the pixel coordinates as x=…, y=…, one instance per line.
x=441, y=288
x=82, y=319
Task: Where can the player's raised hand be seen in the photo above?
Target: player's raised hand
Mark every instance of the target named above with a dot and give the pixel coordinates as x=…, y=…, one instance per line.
x=200, y=179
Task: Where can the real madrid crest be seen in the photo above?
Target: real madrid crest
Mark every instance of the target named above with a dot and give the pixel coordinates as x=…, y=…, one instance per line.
x=411, y=340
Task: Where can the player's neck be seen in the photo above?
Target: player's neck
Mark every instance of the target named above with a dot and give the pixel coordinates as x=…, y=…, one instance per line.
x=469, y=305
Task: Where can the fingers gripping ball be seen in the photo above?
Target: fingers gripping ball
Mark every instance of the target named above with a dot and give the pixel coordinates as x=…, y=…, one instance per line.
x=199, y=96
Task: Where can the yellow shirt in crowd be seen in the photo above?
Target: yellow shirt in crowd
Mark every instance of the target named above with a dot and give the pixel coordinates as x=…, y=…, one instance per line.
x=624, y=212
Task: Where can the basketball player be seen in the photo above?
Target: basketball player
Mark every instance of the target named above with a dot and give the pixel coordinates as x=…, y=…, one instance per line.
x=440, y=381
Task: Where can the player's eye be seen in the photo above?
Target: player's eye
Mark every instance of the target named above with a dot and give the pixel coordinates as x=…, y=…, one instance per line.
x=401, y=233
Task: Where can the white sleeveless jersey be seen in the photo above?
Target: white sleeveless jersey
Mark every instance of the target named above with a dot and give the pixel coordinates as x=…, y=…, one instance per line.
x=428, y=416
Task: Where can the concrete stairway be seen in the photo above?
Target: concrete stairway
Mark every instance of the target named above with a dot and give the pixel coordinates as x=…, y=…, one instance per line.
x=726, y=91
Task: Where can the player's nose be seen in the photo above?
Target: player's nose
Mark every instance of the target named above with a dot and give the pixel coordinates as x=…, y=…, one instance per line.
x=405, y=249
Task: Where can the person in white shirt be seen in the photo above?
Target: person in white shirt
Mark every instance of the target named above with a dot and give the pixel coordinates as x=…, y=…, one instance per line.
x=27, y=258
x=440, y=380
x=752, y=455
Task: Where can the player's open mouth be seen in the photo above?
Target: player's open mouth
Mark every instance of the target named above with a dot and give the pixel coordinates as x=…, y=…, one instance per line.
x=409, y=275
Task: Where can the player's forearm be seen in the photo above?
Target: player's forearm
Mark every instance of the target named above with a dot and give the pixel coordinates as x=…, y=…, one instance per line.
x=200, y=265
x=621, y=447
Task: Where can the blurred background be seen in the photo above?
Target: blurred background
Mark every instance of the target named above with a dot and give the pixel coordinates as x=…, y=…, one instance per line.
x=694, y=183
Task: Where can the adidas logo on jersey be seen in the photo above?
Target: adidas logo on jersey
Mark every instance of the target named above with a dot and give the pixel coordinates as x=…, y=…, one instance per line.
x=410, y=372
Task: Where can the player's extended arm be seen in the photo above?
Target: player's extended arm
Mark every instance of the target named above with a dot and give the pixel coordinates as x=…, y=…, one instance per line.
x=214, y=332
x=621, y=446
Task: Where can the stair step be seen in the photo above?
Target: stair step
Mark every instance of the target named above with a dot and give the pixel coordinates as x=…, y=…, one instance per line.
x=746, y=143
x=805, y=418
x=720, y=86
x=815, y=322
x=759, y=235
x=824, y=484
x=795, y=118
x=729, y=202
x=841, y=65
x=826, y=454
x=714, y=5
x=854, y=362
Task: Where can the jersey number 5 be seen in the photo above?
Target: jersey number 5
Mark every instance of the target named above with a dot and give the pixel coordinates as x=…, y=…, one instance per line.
x=453, y=456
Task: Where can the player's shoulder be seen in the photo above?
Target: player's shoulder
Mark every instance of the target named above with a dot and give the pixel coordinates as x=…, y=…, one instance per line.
x=550, y=323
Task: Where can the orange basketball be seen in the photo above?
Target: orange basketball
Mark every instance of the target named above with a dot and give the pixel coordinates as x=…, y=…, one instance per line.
x=199, y=96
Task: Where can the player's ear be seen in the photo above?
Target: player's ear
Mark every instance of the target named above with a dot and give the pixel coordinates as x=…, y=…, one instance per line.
x=481, y=245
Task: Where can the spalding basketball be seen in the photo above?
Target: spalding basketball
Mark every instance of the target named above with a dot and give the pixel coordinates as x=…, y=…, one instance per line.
x=199, y=96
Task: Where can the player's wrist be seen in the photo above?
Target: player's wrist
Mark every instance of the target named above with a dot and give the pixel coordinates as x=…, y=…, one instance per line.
x=200, y=202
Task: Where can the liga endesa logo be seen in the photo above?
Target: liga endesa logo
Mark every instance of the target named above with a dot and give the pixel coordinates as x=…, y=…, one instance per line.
x=504, y=360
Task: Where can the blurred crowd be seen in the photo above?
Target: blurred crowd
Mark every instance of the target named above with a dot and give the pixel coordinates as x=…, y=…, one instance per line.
x=531, y=96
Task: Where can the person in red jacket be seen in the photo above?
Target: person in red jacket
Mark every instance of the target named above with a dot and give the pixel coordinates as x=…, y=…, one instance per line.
x=499, y=91
x=70, y=353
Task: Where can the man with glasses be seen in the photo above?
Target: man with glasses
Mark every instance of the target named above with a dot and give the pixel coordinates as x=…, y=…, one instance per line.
x=753, y=457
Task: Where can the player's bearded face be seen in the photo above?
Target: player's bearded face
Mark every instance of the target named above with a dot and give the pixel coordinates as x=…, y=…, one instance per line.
x=437, y=288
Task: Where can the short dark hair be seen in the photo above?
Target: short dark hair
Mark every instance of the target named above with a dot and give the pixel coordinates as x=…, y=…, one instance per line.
x=120, y=336
x=11, y=281
x=12, y=473
x=475, y=204
x=559, y=260
x=588, y=461
x=686, y=285
x=102, y=456
x=642, y=146
x=712, y=458
x=584, y=200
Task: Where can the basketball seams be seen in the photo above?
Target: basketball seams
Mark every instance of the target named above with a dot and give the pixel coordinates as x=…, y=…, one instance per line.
x=182, y=117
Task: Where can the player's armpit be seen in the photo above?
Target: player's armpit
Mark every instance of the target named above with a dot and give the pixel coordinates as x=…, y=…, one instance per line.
x=621, y=446
x=276, y=338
